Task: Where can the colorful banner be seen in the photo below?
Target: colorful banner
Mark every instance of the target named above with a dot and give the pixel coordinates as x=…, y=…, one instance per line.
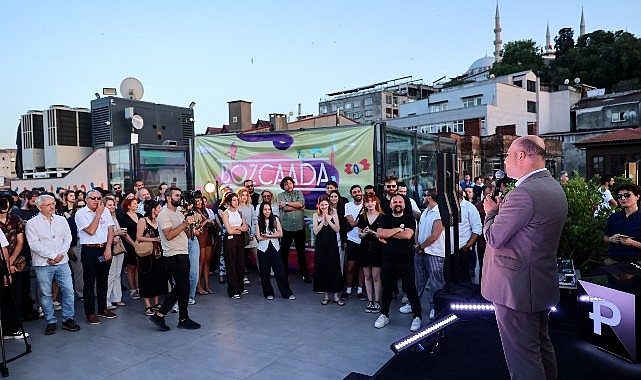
x=311, y=157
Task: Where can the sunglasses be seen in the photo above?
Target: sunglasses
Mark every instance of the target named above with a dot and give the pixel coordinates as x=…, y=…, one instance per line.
x=250, y=186
x=390, y=186
x=80, y=206
x=623, y=195
x=95, y=198
x=117, y=188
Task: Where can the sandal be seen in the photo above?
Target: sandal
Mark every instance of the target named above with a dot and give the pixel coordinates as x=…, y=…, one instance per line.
x=202, y=292
x=156, y=307
x=325, y=301
x=209, y=291
x=149, y=311
x=339, y=302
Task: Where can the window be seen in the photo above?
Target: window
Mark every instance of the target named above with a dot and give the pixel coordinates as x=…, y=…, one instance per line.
x=598, y=164
x=357, y=103
x=234, y=119
x=438, y=107
x=518, y=83
x=472, y=101
x=348, y=105
x=368, y=102
x=458, y=126
x=531, y=107
x=334, y=107
x=395, y=100
x=369, y=113
x=531, y=86
x=388, y=99
x=618, y=117
x=618, y=164
x=356, y=115
x=323, y=109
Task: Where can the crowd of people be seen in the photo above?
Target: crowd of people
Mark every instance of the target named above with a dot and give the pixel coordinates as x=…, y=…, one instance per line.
x=169, y=243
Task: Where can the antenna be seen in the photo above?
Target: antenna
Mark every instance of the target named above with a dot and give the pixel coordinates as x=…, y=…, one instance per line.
x=131, y=88
x=137, y=122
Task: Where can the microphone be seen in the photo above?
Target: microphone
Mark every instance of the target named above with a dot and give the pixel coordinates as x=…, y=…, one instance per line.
x=500, y=177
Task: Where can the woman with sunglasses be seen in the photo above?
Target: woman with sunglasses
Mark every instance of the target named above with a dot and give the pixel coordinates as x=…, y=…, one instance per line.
x=623, y=228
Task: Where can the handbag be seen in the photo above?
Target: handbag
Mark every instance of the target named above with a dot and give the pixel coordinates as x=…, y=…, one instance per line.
x=118, y=248
x=246, y=238
x=144, y=248
x=19, y=263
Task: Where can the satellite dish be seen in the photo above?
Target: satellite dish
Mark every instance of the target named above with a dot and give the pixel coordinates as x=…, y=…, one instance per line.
x=577, y=80
x=567, y=81
x=131, y=88
x=291, y=113
x=137, y=122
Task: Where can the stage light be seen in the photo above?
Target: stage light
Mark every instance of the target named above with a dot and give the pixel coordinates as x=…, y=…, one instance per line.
x=589, y=299
x=472, y=307
x=210, y=187
x=417, y=337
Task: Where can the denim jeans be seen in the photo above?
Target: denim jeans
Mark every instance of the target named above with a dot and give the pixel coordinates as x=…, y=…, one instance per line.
x=62, y=274
x=194, y=261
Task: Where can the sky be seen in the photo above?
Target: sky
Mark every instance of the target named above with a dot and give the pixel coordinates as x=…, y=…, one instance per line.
x=276, y=54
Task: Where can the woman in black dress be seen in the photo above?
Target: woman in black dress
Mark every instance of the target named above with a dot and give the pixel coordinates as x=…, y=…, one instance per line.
x=152, y=276
x=327, y=269
x=370, y=253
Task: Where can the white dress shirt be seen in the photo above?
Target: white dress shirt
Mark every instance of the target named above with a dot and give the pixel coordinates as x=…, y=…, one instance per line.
x=428, y=217
x=48, y=238
x=470, y=223
x=84, y=217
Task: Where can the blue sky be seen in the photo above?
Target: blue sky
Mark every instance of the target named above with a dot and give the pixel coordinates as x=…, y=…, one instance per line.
x=275, y=54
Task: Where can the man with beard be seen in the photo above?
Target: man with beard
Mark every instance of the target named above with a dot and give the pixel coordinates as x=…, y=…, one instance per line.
x=391, y=189
x=397, y=230
x=23, y=279
x=172, y=225
x=253, y=195
x=13, y=230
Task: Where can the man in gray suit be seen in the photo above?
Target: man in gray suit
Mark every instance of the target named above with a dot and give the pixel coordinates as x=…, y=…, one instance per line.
x=519, y=269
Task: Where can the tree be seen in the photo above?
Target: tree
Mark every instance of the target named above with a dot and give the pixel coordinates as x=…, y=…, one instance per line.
x=564, y=41
x=519, y=56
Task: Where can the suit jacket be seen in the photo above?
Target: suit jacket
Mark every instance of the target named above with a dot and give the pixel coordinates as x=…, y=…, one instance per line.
x=519, y=268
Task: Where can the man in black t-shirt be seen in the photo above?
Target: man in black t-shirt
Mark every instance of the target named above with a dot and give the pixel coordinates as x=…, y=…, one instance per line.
x=397, y=232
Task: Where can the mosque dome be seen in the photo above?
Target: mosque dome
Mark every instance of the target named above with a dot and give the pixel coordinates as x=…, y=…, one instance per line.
x=481, y=64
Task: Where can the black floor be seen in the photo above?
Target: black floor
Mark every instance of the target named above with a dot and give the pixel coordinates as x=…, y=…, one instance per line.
x=471, y=349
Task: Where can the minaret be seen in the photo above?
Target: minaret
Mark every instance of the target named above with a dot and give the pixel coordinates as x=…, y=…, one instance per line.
x=582, y=26
x=548, y=41
x=497, y=35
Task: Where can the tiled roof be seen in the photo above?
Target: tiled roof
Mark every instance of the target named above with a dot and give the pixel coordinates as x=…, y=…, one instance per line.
x=621, y=135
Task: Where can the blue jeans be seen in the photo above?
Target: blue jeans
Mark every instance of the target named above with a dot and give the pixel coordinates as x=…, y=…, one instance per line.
x=194, y=261
x=62, y=274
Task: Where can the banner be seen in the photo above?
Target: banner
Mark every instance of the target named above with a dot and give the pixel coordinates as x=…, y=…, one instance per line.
x=310, y=157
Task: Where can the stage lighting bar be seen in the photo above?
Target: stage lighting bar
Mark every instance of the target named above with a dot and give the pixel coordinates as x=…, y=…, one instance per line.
x=415, y=338
x=472, y=307
x=589, y=299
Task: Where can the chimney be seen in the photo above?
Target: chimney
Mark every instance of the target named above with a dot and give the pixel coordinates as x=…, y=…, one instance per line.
x=240, y=115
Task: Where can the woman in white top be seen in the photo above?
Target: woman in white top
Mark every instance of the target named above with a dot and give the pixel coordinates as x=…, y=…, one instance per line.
x=268, y=231
x=234, y=247
x=114, y=289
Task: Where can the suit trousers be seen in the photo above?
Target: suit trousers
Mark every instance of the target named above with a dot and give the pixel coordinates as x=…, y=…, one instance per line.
x=526, y=343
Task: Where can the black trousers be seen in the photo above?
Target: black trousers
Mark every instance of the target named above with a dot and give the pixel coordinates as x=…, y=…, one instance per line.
x=235, y=264
x=268, y=260
x=391, y=269
x=178, y=270
x=298, y=237
x=94, y=272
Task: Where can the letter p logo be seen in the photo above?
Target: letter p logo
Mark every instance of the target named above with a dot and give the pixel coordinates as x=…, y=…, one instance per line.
x=611, y=318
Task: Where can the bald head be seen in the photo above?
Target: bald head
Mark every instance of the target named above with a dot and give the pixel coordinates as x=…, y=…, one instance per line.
x=525, y=155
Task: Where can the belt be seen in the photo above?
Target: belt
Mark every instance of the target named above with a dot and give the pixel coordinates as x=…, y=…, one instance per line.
x=95, y=245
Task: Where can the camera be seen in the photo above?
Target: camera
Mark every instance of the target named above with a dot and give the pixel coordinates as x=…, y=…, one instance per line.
x=188, y=198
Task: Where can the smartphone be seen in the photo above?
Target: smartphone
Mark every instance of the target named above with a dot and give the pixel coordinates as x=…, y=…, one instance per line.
x=101, y=258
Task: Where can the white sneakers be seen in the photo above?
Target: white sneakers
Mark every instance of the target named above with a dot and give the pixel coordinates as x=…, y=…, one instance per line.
x=432, y=314
x=270, y=297
x=381, y=322
x=416, y=324
x=292, y=297
x=406, y=309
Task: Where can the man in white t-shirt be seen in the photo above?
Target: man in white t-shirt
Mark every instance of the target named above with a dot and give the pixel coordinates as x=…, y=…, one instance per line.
x=606, y=181
x=352, y=209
